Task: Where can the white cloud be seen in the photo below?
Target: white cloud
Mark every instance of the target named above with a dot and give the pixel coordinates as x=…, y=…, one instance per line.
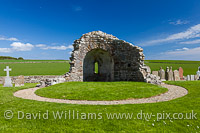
x=5, y=50
x=70, y=47
x=186, y=49
x=40, y=45
x=191, y=42
x=182, y=49
x=182, y=54
x=192, y=32
x=179, y=22
x=58, y=47
x=12, y=39
x=18, y=46
x=8, y=39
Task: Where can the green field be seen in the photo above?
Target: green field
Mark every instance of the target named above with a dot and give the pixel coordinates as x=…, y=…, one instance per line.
x=105, y=123
x=59, y=67
x=28, y=69
x=29, y=60
x=97, y=90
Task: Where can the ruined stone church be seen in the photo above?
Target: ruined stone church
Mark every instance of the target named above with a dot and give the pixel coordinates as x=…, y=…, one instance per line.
x=117, y=59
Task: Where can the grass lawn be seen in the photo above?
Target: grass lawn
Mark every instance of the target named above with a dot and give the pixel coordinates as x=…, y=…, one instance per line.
x=102, y=124
x=101, y=90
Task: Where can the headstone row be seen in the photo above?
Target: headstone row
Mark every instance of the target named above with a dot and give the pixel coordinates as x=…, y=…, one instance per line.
x=169, y=74
x=175, y=75
x=194, y=77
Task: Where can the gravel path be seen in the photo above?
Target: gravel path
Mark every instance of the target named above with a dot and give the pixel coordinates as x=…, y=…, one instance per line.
x=173, y=93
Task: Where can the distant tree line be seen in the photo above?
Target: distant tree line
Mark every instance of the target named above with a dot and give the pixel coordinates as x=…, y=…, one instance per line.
x=10, y=58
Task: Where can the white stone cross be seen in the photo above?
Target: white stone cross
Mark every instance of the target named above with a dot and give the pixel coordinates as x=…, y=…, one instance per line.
x=7, y=70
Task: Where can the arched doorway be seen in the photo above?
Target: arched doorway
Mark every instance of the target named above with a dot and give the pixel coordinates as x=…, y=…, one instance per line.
x=105, y=66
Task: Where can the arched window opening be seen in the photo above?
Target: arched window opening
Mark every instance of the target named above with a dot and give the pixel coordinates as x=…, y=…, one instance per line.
x=96, y=69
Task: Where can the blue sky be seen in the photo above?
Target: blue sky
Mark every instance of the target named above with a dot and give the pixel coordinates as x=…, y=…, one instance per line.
x=46, y=29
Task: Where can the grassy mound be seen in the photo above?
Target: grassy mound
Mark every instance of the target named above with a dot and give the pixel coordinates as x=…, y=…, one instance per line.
x=101, y=90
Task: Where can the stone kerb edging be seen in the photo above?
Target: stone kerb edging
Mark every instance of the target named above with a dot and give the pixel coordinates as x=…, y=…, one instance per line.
x=173, y=93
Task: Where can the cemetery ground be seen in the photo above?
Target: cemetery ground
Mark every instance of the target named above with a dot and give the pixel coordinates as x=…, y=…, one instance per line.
x=105, y=123
x=59, y=67
x=150, y=117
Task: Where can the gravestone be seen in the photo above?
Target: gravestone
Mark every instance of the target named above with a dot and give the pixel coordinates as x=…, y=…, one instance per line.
x=19, y=81
x=170, y=75
x=155, y=73
x=198, y=73
x=176, y=75
x=181, y=73
x=192, y=77
x=188, y=77
x=196, y=77
x=8, y=81
x=161, y=73
x=166, y=73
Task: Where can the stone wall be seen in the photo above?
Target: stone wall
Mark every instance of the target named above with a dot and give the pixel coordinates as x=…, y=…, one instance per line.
x=118, y=60
x=32, y=79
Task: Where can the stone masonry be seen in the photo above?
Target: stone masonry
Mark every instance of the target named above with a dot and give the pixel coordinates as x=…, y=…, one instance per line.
x=117, y=60
x=31, y=79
